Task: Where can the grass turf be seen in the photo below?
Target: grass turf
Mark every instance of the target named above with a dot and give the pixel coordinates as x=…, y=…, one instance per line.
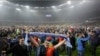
x=87, y=52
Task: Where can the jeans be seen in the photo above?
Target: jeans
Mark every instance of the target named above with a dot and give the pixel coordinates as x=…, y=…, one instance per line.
x=80, y=52
x=69, y=51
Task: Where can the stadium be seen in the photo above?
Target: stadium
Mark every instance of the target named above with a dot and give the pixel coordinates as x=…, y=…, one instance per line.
x=49, y=28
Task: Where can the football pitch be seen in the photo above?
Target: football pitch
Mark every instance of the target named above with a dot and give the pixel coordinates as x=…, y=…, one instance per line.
x=74, y=53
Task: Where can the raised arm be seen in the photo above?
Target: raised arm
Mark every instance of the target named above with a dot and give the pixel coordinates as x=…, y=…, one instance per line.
x=86, y=38
x=34, y=42
x=59, y=44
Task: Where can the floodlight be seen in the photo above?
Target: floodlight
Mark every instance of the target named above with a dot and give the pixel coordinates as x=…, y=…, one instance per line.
x=53, y=7
x=27, y=6
x=68, y=2
x=18, y=9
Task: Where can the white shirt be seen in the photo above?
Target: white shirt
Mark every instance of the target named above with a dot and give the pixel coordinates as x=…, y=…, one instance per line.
x=68, y=44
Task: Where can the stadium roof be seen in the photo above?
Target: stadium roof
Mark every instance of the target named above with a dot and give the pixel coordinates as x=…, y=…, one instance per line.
x=40, y=3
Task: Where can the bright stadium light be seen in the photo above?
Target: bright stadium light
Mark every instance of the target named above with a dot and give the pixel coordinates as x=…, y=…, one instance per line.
x=2, y=1
x=48, y=15
x=68, y=2
x=28, y=7
x=86, y=21
x=71, y=6
x=53, y=7
x=18, y=9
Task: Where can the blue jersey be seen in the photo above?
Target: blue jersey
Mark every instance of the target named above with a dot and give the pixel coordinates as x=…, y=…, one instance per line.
x=79, y=42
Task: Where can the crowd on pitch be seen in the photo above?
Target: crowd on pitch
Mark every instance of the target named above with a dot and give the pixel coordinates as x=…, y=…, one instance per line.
x=13, y=40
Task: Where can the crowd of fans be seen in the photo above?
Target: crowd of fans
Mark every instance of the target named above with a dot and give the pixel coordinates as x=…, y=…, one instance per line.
x=12, y=40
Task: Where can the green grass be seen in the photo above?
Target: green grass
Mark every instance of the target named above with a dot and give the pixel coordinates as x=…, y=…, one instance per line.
x=87, y=52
